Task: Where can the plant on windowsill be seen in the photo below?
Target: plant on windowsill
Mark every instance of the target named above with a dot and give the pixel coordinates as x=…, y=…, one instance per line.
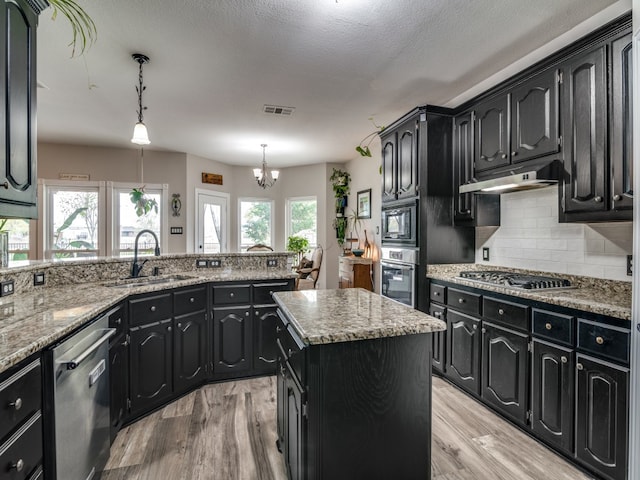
x=297, y=245
x=143, y=204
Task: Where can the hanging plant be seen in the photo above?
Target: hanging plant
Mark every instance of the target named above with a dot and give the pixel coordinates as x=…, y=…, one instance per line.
x=142, y=203
x=82, y=26
x=364, y=149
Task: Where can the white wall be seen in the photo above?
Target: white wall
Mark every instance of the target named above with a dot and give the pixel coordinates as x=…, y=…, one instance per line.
x=530, y=237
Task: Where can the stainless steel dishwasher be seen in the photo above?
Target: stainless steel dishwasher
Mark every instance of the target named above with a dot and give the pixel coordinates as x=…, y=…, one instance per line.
x=78, y=370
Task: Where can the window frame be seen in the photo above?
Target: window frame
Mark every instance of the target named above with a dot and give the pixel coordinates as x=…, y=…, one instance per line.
x=288, y=211
x=272, y=222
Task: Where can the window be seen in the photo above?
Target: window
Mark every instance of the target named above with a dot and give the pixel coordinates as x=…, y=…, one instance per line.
x=302, y=218
x=256, y=221
x=18, y=237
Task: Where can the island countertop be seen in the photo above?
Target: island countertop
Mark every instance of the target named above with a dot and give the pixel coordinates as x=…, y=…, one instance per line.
x=332, y=316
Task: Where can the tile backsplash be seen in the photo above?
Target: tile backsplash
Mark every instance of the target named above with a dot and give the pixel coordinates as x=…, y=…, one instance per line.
x=530, y=237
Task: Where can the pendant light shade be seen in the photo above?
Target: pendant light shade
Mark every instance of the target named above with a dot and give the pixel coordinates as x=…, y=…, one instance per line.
x=140, y=134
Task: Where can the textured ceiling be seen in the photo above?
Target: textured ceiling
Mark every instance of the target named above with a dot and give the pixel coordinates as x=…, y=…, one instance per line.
x=215, y=63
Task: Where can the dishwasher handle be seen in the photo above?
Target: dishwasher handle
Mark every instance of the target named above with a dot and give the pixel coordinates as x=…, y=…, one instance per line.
x=75, y=362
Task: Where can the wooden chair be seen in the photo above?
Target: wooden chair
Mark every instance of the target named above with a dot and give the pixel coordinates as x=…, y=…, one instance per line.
x=259, y=247
x=308, y=277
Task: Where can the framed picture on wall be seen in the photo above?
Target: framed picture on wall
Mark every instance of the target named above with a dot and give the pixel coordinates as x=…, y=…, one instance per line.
x=364, y=204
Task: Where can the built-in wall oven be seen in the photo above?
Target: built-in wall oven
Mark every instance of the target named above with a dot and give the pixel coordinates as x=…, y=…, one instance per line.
x=400, y=224
x=398, y=273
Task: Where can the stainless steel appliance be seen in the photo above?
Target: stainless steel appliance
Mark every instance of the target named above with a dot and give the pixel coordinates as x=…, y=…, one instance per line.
x=515, y=178
x=398, y=273
x=515, y=280
x=78, y=371
x=399, y=224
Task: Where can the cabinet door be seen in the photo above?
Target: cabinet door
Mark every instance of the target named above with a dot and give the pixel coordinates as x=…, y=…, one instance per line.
x=118, y=383
x=463, y=350
x=407, y=169
x=552, y=394
x=621, y=124
x=295, y=421
x=281, y=395
x=438, y=340
x=602, y=416
x=265, y=348
x=505, y=371
x=463, y=164
x=150, y=365
x=492, y=134
x=389, y=168
x=232, y=340
x=190, y=350
x=18, y=175
x=584, y=129
x=534, y=117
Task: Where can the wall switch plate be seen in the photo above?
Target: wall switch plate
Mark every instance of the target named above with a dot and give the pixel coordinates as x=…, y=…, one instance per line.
x=215, y=263
x=200, y=263
x=629, y=265
x=6, y=288
x=485, y=254
x=272, y=262
x=38, y=278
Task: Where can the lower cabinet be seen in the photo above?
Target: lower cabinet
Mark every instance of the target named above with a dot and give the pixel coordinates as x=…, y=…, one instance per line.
x=602, y=415
x=295, y=425
x=118, y=382
x=438, y=340
x=463, y=350
x=232, y=340
x=552, y=411
x=265, y=349
x=190, y=350
x=505, y=370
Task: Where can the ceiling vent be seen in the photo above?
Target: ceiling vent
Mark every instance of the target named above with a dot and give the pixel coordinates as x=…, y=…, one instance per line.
x=278, y=110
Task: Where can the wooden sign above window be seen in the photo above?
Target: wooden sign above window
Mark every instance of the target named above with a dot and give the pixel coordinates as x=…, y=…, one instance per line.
x=212, y=178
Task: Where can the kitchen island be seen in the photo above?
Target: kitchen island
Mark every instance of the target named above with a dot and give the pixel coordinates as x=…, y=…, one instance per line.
x=354, y=386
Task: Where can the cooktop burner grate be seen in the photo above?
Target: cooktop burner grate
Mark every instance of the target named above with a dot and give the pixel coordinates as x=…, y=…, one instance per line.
x=515, y=280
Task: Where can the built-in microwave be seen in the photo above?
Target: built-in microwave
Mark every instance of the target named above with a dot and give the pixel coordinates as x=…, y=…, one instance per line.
x=399, y=224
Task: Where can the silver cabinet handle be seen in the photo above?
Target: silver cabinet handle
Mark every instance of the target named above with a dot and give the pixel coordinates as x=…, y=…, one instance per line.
x=500, y=311
x=270, y=293
x=5, y=185
x=597, y=199
x=547, y=326
x=118, y=321
x=278, y=329
x=563, y=359
x=153, y=308
x=617, y=197
x=232, y=295
x=579, y=366
x=599, y=340
x=19, y=465
x=437, y=314
x=246, y=314
x=513, y=154
x=179, y=325
x=169, y=329
x=461, y=300
x=257, y=313
x=504, y=155
x=17, y=404
x=192, y=299
x=483, y=157
x=437, y=294
x=483, y=330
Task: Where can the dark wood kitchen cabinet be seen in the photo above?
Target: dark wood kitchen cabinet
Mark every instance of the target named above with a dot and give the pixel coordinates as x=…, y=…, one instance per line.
x=438, y=340
x=463, y=351
x=492, y=133
x=232, y=340
x=265, y=350
x=505, y=371
x=18, y=183
x=400, y=150
x=190, y=350
x=118, y=382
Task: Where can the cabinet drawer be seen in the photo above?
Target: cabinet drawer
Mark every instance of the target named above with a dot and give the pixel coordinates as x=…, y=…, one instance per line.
x=463, y=301
x=117, y=320
x=25, y=450
x=603, y=340
x=437, y=311
x=262, y=291
x=230, y=294
x=506, y=313
x=192, y=300
x=20, y=398
x=553, y=326
x=438, y=293
x=150, y=309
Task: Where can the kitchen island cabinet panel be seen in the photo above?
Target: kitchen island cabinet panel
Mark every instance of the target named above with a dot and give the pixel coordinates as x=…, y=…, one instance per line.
x=190, y=349
x=265, y=349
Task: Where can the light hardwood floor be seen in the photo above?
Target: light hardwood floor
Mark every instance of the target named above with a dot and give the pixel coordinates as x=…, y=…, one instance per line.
x=227, y=431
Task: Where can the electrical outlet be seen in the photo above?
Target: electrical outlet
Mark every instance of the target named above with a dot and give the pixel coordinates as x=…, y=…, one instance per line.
x=272, y=262
x=485, y=254
x=215, y=263
x=38, y=278
x=200, y=263
x=6, y=288
x=629, y=265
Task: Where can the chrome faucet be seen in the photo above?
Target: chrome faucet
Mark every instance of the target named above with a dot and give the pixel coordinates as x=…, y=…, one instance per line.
x=135, y=268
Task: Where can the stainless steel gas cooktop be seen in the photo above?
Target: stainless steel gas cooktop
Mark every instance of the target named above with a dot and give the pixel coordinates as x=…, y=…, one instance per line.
x=515, y=280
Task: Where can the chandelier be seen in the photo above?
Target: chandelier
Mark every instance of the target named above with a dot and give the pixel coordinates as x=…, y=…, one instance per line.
x=140, y=134
x=264, y=176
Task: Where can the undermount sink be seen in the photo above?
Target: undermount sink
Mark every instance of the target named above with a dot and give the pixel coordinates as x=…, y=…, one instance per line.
x=144, y=281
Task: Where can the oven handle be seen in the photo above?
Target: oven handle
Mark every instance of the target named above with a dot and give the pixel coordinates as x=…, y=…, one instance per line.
x=405, y=266
x=75, y=362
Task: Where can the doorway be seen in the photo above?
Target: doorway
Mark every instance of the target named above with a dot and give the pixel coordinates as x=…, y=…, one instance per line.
x=212, y=222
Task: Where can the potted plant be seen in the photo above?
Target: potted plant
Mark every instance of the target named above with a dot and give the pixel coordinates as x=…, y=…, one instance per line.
x=143, y=203
x=340, y=225
x=297, y=245
x=364, y=149
x=340, y=180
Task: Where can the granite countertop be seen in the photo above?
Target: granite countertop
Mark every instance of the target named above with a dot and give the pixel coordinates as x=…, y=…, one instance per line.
x=30, y=322
x=595, y=295
x=331, y=316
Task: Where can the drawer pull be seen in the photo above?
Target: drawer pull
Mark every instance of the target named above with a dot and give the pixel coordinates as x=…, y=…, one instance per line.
x=484, y=330
x=500, y=311
x=118, y=321
x=179, y=325
x=168, y=329
x=290, y=352
x=547, y=326
x=563, y=359
x=597, y=199
x=257, y=313
x=278, y=329
x=475, y=327
x=579, y=366
x=232, y=295
x=246, y=314
x=504, y=155
x=437, y=294
x=599, y=340
x=192, y=299
x=153, y=308
x=19, y=465
x=617, y=198
x=17, y=405
x=270, y=293
x=437, y=314
x=461, y=300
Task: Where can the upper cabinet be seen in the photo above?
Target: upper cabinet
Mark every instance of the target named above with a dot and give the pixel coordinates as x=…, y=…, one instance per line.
x=518, y=125
x=18, y=64
x=400, y=161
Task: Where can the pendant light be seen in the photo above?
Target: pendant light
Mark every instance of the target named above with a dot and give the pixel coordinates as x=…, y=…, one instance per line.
x=264, y=176
x=140, y=134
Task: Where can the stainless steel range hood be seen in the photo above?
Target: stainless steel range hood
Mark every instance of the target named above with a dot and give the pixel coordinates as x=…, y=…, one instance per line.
x=516, y=178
